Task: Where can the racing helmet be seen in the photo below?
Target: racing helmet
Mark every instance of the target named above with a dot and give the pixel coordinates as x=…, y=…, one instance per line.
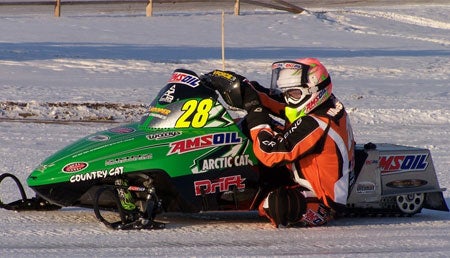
x=304, y=83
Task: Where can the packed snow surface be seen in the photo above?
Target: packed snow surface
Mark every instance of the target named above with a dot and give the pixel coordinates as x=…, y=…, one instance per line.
x=390, y=65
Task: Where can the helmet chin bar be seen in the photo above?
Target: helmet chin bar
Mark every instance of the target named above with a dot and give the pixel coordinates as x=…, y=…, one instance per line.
x=294, y=111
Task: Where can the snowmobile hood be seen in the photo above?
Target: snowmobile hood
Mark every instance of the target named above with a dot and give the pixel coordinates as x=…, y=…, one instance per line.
x=101, y=153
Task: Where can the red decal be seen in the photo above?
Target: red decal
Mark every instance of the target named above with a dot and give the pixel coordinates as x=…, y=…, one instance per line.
x=204, y=141
x=222, y=184
x=398, y=163
x=74, y=167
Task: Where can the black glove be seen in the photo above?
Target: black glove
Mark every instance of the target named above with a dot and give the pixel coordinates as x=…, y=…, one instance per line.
x=257, y=116
x=235, y=89
x=250, y=98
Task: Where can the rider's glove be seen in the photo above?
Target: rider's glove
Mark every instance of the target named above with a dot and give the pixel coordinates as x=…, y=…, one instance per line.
x=246, y=97
x=235, y=89
x=257, y=114
x=250, y=98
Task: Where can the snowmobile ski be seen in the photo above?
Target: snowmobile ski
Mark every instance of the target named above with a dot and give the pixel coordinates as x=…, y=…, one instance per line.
x=25, y=203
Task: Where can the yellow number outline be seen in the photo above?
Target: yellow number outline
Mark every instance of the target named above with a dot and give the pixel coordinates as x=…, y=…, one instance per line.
x=198, y=110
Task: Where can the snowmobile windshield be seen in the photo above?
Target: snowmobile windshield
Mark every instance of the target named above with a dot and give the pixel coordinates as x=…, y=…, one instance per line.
x=177, y=103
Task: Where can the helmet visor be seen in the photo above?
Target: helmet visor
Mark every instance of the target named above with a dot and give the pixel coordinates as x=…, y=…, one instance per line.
x=288, y=74
x=291, y=79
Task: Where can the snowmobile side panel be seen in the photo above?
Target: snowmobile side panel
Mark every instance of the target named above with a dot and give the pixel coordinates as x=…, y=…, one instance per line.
x=406, y=170
x=389, y=171
x=366, y=191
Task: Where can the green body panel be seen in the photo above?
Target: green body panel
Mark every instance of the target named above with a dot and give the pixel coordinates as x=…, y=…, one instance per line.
x=144, y=146
x=187, y=146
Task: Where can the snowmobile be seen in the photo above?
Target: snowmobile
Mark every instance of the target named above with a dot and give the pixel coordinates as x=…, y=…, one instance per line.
x=191, y=152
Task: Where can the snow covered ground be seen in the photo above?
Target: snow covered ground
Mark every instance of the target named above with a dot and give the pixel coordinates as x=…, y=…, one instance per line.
x=390, y=66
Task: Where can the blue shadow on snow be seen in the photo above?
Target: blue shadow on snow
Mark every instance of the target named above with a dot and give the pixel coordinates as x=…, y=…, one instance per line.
x=162, y=53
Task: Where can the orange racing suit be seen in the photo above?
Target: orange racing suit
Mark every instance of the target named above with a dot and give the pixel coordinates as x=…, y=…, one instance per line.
x=317, y=148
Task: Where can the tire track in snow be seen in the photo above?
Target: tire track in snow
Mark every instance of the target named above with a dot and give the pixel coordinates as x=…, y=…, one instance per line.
x=404, y=116
x=345, y=21
x=405, y=18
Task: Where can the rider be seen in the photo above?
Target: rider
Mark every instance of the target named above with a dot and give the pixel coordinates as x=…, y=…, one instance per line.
x=316, y=144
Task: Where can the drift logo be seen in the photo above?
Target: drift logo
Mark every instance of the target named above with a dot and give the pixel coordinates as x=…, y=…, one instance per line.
x=185, y=78
x=399, y=163
x=204, y=141
x=221, y=184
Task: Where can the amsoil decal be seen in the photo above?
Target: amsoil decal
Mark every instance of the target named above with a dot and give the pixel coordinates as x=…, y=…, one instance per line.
x=96, y=175
x=221, y=184
x=399, y=163
x=203, y=142
x=74, y=167
x=185, y=78
x=224, y=162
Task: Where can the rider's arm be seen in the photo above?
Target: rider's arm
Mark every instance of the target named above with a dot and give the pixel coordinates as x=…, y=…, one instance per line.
x=270, y=100
x=273, y=149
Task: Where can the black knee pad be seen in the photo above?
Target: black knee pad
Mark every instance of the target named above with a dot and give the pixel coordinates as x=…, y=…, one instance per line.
x=285, y=205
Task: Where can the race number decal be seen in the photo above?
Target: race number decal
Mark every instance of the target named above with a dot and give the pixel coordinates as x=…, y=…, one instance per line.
x=196, y=113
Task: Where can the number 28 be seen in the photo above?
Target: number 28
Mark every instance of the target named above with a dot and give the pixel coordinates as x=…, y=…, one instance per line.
x=196, y=113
